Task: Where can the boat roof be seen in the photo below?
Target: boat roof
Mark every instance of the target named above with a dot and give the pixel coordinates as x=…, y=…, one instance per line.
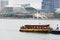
x=36, y=25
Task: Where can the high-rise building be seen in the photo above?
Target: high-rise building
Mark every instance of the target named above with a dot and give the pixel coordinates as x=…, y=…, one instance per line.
x=56, y=4
x=0, y=3
x=3, y=3
x=50, y=5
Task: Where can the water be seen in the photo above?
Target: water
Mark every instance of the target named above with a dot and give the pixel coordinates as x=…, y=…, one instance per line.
x=9, y=30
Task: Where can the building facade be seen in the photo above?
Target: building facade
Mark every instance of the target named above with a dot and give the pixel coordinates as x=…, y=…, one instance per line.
x=50, y=5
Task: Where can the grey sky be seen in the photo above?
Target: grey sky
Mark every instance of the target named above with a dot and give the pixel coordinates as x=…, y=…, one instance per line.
x=34, y=3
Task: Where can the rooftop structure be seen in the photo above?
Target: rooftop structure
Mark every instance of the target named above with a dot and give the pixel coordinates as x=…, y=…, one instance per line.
x=18, y=10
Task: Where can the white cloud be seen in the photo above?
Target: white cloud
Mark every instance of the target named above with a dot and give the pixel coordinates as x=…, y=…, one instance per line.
x=57, y=10
x=34, y=3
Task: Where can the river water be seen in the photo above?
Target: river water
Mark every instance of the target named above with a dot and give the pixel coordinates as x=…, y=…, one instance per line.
x=9, y=29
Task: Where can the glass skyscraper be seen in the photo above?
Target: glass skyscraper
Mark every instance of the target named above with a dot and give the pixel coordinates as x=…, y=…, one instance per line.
x=3, y=3
x=50, y=5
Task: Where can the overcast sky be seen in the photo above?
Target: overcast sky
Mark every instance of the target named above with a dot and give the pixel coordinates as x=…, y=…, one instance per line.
x=34, y=3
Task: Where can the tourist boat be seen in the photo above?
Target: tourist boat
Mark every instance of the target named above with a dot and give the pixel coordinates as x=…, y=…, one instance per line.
x=56, y=31
x=35, y=28
x=39, y=28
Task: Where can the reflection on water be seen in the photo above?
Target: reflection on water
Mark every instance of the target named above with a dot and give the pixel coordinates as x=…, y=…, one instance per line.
x=9, y=30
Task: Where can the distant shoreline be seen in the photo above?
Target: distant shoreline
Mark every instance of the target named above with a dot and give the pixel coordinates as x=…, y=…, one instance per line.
x=25, y=18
